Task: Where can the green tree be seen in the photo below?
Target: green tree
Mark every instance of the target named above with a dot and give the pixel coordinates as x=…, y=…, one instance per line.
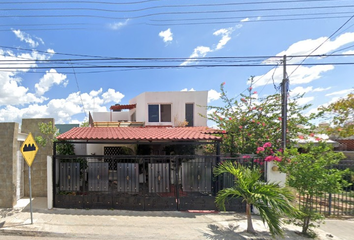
x=248, y=122
x=341, y=116
x=312, y=175
x=49, y=133
x=270, y=199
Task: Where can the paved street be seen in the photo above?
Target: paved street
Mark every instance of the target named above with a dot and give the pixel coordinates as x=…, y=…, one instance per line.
x=115, y=224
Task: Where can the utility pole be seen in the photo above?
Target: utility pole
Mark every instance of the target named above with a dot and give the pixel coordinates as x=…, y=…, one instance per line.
x=284, y=105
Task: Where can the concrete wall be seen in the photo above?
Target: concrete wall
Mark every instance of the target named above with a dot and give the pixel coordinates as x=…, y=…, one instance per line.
x=111, y=116
x=39, y=165
x=177, y=100
x=8, y=164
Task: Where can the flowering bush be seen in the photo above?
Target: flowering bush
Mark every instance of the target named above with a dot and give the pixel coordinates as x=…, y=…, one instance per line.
x=250, y=120
x=268, y=152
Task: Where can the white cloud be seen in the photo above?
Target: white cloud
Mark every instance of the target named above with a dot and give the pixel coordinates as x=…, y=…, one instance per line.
x=50, y=51
x=321, y=89
x=302, y=90
x=11, y=90
x=305, y=74
x=349, y=52
x=225, y=33
x=186, y=89
x=198, y=52
x=118, y=25
x=301, y=75
x=305, y=100
x=112, y=96
x=342, y=92
x=213, y=95
x=50, y=78
x=25, y=37
x=167, y=35
x=201, y=51
x=63, y=110
x=245, y=20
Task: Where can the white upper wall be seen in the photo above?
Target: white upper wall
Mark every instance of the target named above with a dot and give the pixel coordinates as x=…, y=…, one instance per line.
x=110, y=116
x=178, y=101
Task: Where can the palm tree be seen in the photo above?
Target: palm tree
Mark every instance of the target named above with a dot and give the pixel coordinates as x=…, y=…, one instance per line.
x=270, y=199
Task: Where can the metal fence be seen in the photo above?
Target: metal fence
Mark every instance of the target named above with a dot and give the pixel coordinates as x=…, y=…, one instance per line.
x=142, y=182
x=336, y=204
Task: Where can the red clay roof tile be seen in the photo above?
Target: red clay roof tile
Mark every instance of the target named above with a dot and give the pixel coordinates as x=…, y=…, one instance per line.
x=144, y=133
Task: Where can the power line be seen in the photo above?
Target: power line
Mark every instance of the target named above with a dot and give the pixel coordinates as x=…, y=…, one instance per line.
x=179, y=66
x=176, y=12
x=334, y=33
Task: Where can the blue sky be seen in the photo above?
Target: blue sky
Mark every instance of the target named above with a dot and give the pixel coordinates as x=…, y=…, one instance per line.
x=54, y=34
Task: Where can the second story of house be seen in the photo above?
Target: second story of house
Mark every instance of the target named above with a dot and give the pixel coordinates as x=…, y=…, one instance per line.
x=182, y=108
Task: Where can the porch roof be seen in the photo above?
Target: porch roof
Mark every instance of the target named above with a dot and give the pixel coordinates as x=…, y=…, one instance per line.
x=142, y=133
x=121, y=107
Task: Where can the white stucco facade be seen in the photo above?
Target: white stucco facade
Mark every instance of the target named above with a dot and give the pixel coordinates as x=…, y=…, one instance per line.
x=176, y=101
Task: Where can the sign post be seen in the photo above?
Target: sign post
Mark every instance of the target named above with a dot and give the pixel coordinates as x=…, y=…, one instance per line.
x=29, y=150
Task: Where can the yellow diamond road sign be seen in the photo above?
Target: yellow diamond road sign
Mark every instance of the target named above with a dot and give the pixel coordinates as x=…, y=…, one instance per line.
x=29, y=149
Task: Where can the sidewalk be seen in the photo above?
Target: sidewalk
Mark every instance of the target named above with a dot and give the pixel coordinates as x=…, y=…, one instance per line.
x=119, y=224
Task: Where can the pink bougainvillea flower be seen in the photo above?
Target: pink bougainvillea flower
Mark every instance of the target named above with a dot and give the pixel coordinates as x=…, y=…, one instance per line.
x=261, y=163
x=269, y=158
x=255, y=92
x=252, y=120
x=250, y=88
x=339, y=129
x=220, y=118
x=254, y=108
x=223, y=83
x=312, y=134
x=223, y=131
x=263, y=124
x=246, y=156
x=301, y=137
x=230, y=118
x=278, y=159
x=280, y=150
x=258, y=123
x=280, y=118
x=267, y=144
x=318, y=139
x=260, y=149
x=243, y=100
x=240, y=127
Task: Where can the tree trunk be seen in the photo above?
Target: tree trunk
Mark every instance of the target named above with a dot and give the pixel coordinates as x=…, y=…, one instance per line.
x=249, y=219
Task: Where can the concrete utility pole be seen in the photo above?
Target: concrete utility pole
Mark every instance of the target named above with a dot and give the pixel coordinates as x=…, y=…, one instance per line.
x=284, y=106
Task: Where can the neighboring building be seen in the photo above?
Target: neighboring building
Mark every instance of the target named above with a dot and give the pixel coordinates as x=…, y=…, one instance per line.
x=62, y=128
x=176, y=109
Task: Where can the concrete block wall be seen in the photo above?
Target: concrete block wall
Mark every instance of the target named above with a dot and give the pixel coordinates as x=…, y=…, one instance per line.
x=8, y=164
x=39, y=165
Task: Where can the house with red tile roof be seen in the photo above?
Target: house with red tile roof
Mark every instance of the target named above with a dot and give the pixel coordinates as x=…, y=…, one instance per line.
x=145, y=155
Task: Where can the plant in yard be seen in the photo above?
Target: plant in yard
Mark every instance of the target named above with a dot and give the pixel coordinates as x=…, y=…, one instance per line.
x=249, y=121
x=312, y=175
x=270, y=199
x=341, y=115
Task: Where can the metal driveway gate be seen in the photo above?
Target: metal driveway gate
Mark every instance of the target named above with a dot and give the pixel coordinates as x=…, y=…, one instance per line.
x=167, y=183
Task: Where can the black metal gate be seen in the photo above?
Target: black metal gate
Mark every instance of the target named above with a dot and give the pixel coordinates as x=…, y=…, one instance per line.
x=147, y=183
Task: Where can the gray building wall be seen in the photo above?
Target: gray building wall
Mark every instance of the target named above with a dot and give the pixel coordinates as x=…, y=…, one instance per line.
x=39, y=165
x=8, y=164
